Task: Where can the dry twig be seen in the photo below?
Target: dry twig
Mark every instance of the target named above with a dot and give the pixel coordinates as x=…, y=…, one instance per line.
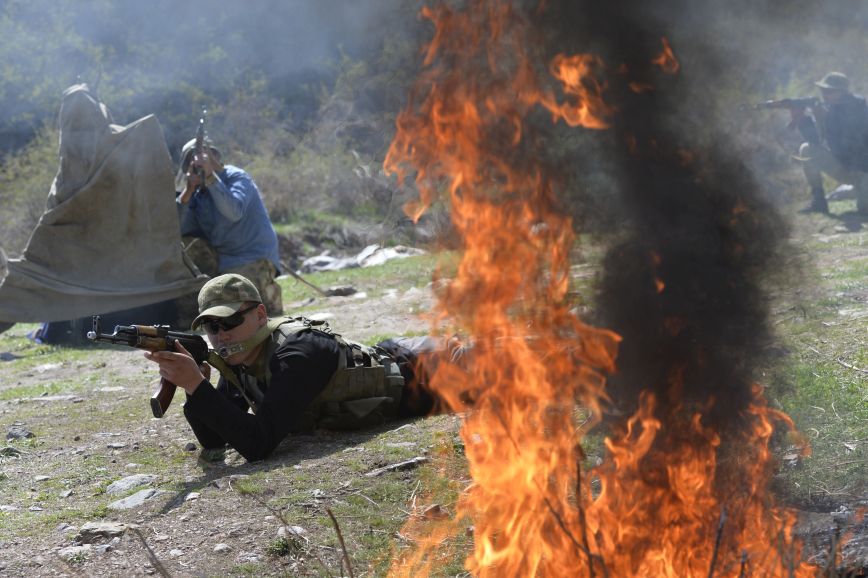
x=849, y=366
x=717, y=538
x=341, y=540
x=152, y=556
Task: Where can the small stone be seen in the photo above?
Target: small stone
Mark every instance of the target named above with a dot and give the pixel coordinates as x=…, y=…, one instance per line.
x=128, y=483
x=191, y=496
x=291, y=531
x=71, y=552
x=116, y=445
x=66, y=493
x=97, y=530
x=41, y=478
x=435, y=512
x=190, y=447
x=133, y=501
x=340, y=291
x=222, y=548
x=35, y=508
x=174, y=553
x=161, y=537
x=17, y=432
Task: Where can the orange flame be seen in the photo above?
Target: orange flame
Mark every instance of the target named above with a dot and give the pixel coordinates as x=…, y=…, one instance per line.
x=656, y=506
x=666, y=59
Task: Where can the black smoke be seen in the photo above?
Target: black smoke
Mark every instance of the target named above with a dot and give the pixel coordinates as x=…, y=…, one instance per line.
x=691, y=233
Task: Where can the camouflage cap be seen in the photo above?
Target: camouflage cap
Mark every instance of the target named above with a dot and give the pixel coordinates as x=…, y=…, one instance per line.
x=224, y=295
x=834, y=81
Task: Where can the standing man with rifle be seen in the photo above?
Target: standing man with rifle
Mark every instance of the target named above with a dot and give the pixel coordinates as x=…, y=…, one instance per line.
x=836, y=141
x=220, y=206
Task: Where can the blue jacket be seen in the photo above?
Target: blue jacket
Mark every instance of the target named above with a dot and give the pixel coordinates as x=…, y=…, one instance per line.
x=230, y=215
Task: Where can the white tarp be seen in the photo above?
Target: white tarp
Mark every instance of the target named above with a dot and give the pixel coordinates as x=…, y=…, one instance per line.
x=109, y=239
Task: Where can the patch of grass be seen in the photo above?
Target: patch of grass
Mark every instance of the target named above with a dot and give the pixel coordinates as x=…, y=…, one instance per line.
x=77, y=558
x=397, y=274
x=283, y=547
x=101, y=511
x=35, y=391
x=377, y=338
x=830, y=410
x=246, y=569
x=247, y=486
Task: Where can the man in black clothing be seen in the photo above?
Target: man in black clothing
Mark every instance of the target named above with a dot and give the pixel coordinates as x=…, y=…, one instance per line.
x=293, y=373
x=836, y=141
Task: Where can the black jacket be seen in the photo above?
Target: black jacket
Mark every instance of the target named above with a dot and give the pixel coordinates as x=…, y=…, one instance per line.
x=300, y=369
x=845, y=131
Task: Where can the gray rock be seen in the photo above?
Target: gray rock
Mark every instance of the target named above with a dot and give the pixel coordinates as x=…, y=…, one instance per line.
x=71, y=552
x=128, y=483
x=92, y=531
x=18, y=432
x=135, y=500
x=291, y=531
x=222, y=548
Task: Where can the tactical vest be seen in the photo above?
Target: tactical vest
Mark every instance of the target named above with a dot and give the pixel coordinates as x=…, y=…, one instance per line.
x=364, y=390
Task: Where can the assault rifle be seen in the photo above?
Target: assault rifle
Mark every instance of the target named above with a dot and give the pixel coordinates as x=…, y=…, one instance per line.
x=154, y=338
x=199, y=149
x=784, y=103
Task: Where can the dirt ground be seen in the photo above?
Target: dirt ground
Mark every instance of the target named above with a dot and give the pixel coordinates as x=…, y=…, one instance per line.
x=84, y=438
x=91, y=426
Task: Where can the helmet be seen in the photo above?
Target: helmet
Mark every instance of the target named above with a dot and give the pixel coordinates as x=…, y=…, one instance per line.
x=834, y=81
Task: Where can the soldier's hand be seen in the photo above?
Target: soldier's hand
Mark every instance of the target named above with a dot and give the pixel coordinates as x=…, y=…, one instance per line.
x=179, y=368
x=797, y=113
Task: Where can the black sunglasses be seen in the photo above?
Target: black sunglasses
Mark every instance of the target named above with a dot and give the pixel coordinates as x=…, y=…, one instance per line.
x=227, y=323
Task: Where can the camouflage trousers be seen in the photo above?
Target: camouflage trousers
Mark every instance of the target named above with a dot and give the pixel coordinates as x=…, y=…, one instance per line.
x=261, y=273
x=817, y=160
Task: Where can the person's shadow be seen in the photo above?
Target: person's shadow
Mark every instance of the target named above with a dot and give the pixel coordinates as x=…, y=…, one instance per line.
x=853, y=221
x=291, y=451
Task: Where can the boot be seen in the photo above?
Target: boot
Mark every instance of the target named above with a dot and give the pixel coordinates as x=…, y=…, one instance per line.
x=818, y=202
x=862, y=202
